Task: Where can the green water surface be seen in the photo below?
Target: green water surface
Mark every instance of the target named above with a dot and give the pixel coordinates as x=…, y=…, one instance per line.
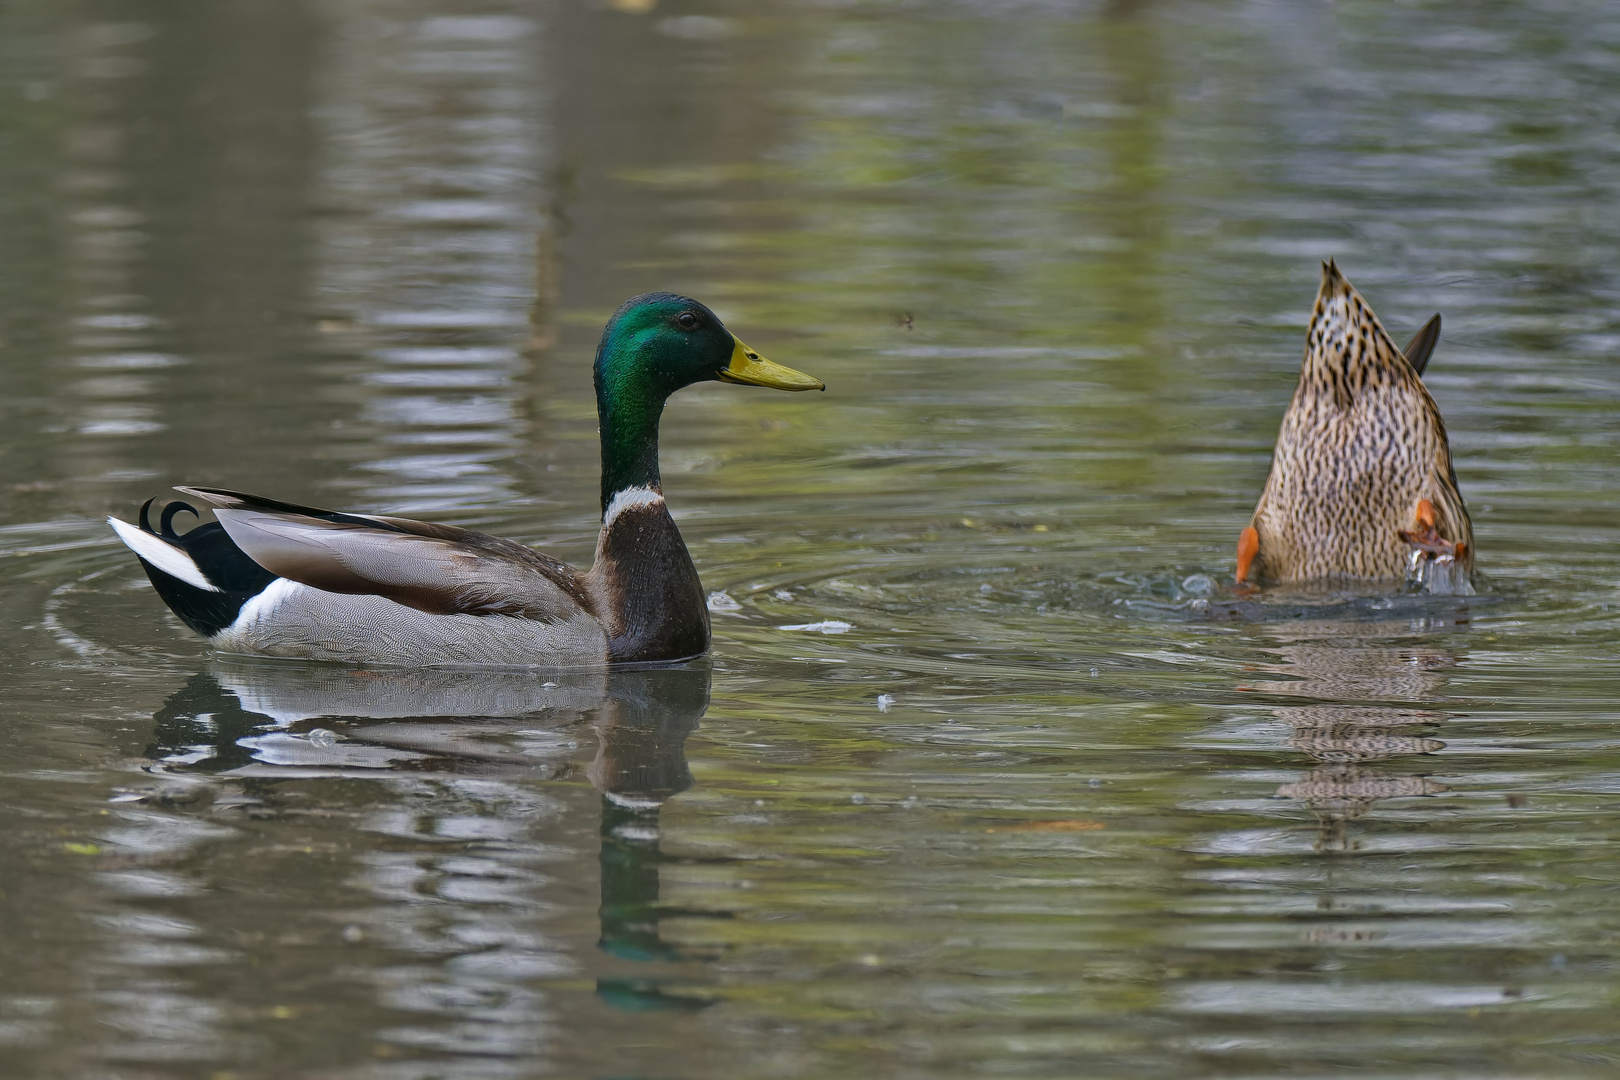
x=989, y=774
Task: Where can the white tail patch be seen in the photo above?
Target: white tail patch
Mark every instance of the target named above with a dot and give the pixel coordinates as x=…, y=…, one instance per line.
x=163, y=555
x=257, y=614
x=630, y=499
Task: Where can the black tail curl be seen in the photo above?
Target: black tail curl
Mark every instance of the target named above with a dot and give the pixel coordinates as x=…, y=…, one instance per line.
x=165, y=527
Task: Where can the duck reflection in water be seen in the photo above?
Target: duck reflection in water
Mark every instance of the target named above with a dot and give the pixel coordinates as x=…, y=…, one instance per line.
x=263, y=722
x=1369, y=695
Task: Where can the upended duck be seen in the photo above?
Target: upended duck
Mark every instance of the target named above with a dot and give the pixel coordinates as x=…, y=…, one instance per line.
x=275, y=579
x=1361, y=487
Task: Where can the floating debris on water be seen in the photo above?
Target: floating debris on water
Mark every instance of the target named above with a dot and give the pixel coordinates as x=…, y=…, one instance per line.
x=719, y=601
x=827, y=626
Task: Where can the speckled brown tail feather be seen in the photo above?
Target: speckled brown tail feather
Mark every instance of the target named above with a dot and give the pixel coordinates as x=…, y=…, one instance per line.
x=1362, y=444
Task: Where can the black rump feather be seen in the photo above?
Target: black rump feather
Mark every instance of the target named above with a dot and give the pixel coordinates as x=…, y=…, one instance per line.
x=240, y=500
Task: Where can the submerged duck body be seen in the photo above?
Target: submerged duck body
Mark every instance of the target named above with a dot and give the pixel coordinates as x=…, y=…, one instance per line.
x=276, y=579
x=1361, y=487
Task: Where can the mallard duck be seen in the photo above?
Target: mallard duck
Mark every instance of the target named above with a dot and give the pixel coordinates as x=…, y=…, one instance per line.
x=275, y=579
x=1361, y=485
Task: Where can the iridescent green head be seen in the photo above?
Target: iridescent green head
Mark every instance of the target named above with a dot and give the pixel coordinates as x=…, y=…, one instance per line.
x=653, y=345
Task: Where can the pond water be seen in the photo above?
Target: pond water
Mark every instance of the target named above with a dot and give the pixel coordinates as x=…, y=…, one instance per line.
x=990, y=772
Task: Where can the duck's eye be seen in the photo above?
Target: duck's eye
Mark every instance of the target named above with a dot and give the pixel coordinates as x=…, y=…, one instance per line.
x=687, y=320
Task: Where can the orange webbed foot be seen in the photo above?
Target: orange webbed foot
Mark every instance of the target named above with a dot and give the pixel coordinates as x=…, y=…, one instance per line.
x=1248, y=547
x=1426, y=541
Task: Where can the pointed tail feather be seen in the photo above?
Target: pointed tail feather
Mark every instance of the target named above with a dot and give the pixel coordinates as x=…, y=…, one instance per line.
x=1421, y=347
x=202, y=575
x=160, y=554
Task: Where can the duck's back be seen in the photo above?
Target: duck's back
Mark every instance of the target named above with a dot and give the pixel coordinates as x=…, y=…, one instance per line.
x=278, y=579
x=1361, y=447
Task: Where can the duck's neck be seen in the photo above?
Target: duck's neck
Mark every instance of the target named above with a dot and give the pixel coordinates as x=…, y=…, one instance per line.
x=627, y=415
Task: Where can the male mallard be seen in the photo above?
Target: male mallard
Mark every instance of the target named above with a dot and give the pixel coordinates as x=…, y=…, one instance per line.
x=1361, y=485
x=274, y=579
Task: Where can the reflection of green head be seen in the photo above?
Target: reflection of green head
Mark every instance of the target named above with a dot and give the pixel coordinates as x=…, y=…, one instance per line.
x=629, y=860
x=630, y=910
x=653, y=345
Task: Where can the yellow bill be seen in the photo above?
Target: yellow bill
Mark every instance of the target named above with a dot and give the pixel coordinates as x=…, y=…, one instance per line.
x=747, y=366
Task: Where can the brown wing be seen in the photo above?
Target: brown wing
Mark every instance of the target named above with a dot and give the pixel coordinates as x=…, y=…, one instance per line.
x=439, y=569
